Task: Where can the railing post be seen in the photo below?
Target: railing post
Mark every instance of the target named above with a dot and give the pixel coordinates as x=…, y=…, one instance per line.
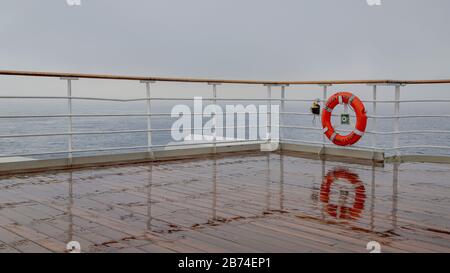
x=149, y=118
x=69, y=113
x=324, y=98
x=269, y=114
x=375, y=126
x=214, y=85
x=397, y=119
x=282, y=111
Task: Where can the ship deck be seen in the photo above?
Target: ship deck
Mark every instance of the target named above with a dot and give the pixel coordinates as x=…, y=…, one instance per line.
x=238, y=202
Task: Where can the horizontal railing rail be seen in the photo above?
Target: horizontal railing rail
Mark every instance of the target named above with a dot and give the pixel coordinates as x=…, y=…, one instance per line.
x=193, y=80
x=185, y=143
x=282, y=100
x=209, y=99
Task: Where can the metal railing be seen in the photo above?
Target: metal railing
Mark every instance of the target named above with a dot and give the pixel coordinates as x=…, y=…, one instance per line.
x=269, y=85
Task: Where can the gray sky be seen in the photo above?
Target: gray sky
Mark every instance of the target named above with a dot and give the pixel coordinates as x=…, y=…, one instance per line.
x=243, y=39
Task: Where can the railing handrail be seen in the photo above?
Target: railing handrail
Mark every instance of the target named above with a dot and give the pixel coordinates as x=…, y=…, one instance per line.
x=204, y=80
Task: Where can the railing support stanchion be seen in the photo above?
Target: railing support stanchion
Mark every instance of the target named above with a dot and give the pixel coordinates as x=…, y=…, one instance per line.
x=149, y=118
x=214, y=101
x=269, y=114
x=69, y=113
x=397, y=119
x=324, y=101
x=282, y=104
x=375, y=126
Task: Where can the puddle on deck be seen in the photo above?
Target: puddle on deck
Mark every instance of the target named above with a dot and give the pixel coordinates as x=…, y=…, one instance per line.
x=236, y=203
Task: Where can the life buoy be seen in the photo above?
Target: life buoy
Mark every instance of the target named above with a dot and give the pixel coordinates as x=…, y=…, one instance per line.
x=343, y=212
x=361, y=119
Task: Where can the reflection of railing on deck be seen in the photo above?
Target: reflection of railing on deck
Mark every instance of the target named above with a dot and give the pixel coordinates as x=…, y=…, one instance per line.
x=350, y=214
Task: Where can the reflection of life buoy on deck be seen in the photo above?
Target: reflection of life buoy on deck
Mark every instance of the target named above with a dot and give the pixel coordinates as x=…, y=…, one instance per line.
x=343, y=212
x=361, y=119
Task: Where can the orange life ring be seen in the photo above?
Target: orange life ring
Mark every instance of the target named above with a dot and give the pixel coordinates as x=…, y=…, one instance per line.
x=361, y=119
x=343, y=212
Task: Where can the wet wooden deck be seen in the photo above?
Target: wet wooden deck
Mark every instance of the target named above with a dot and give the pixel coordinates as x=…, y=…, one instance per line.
x=236, y=203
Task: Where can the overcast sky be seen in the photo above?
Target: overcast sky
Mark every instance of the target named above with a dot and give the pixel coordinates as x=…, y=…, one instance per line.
x=243, y=39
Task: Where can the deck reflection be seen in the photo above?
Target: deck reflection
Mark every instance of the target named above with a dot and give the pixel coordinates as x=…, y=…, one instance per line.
x=346, y=209
x=236, y=203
